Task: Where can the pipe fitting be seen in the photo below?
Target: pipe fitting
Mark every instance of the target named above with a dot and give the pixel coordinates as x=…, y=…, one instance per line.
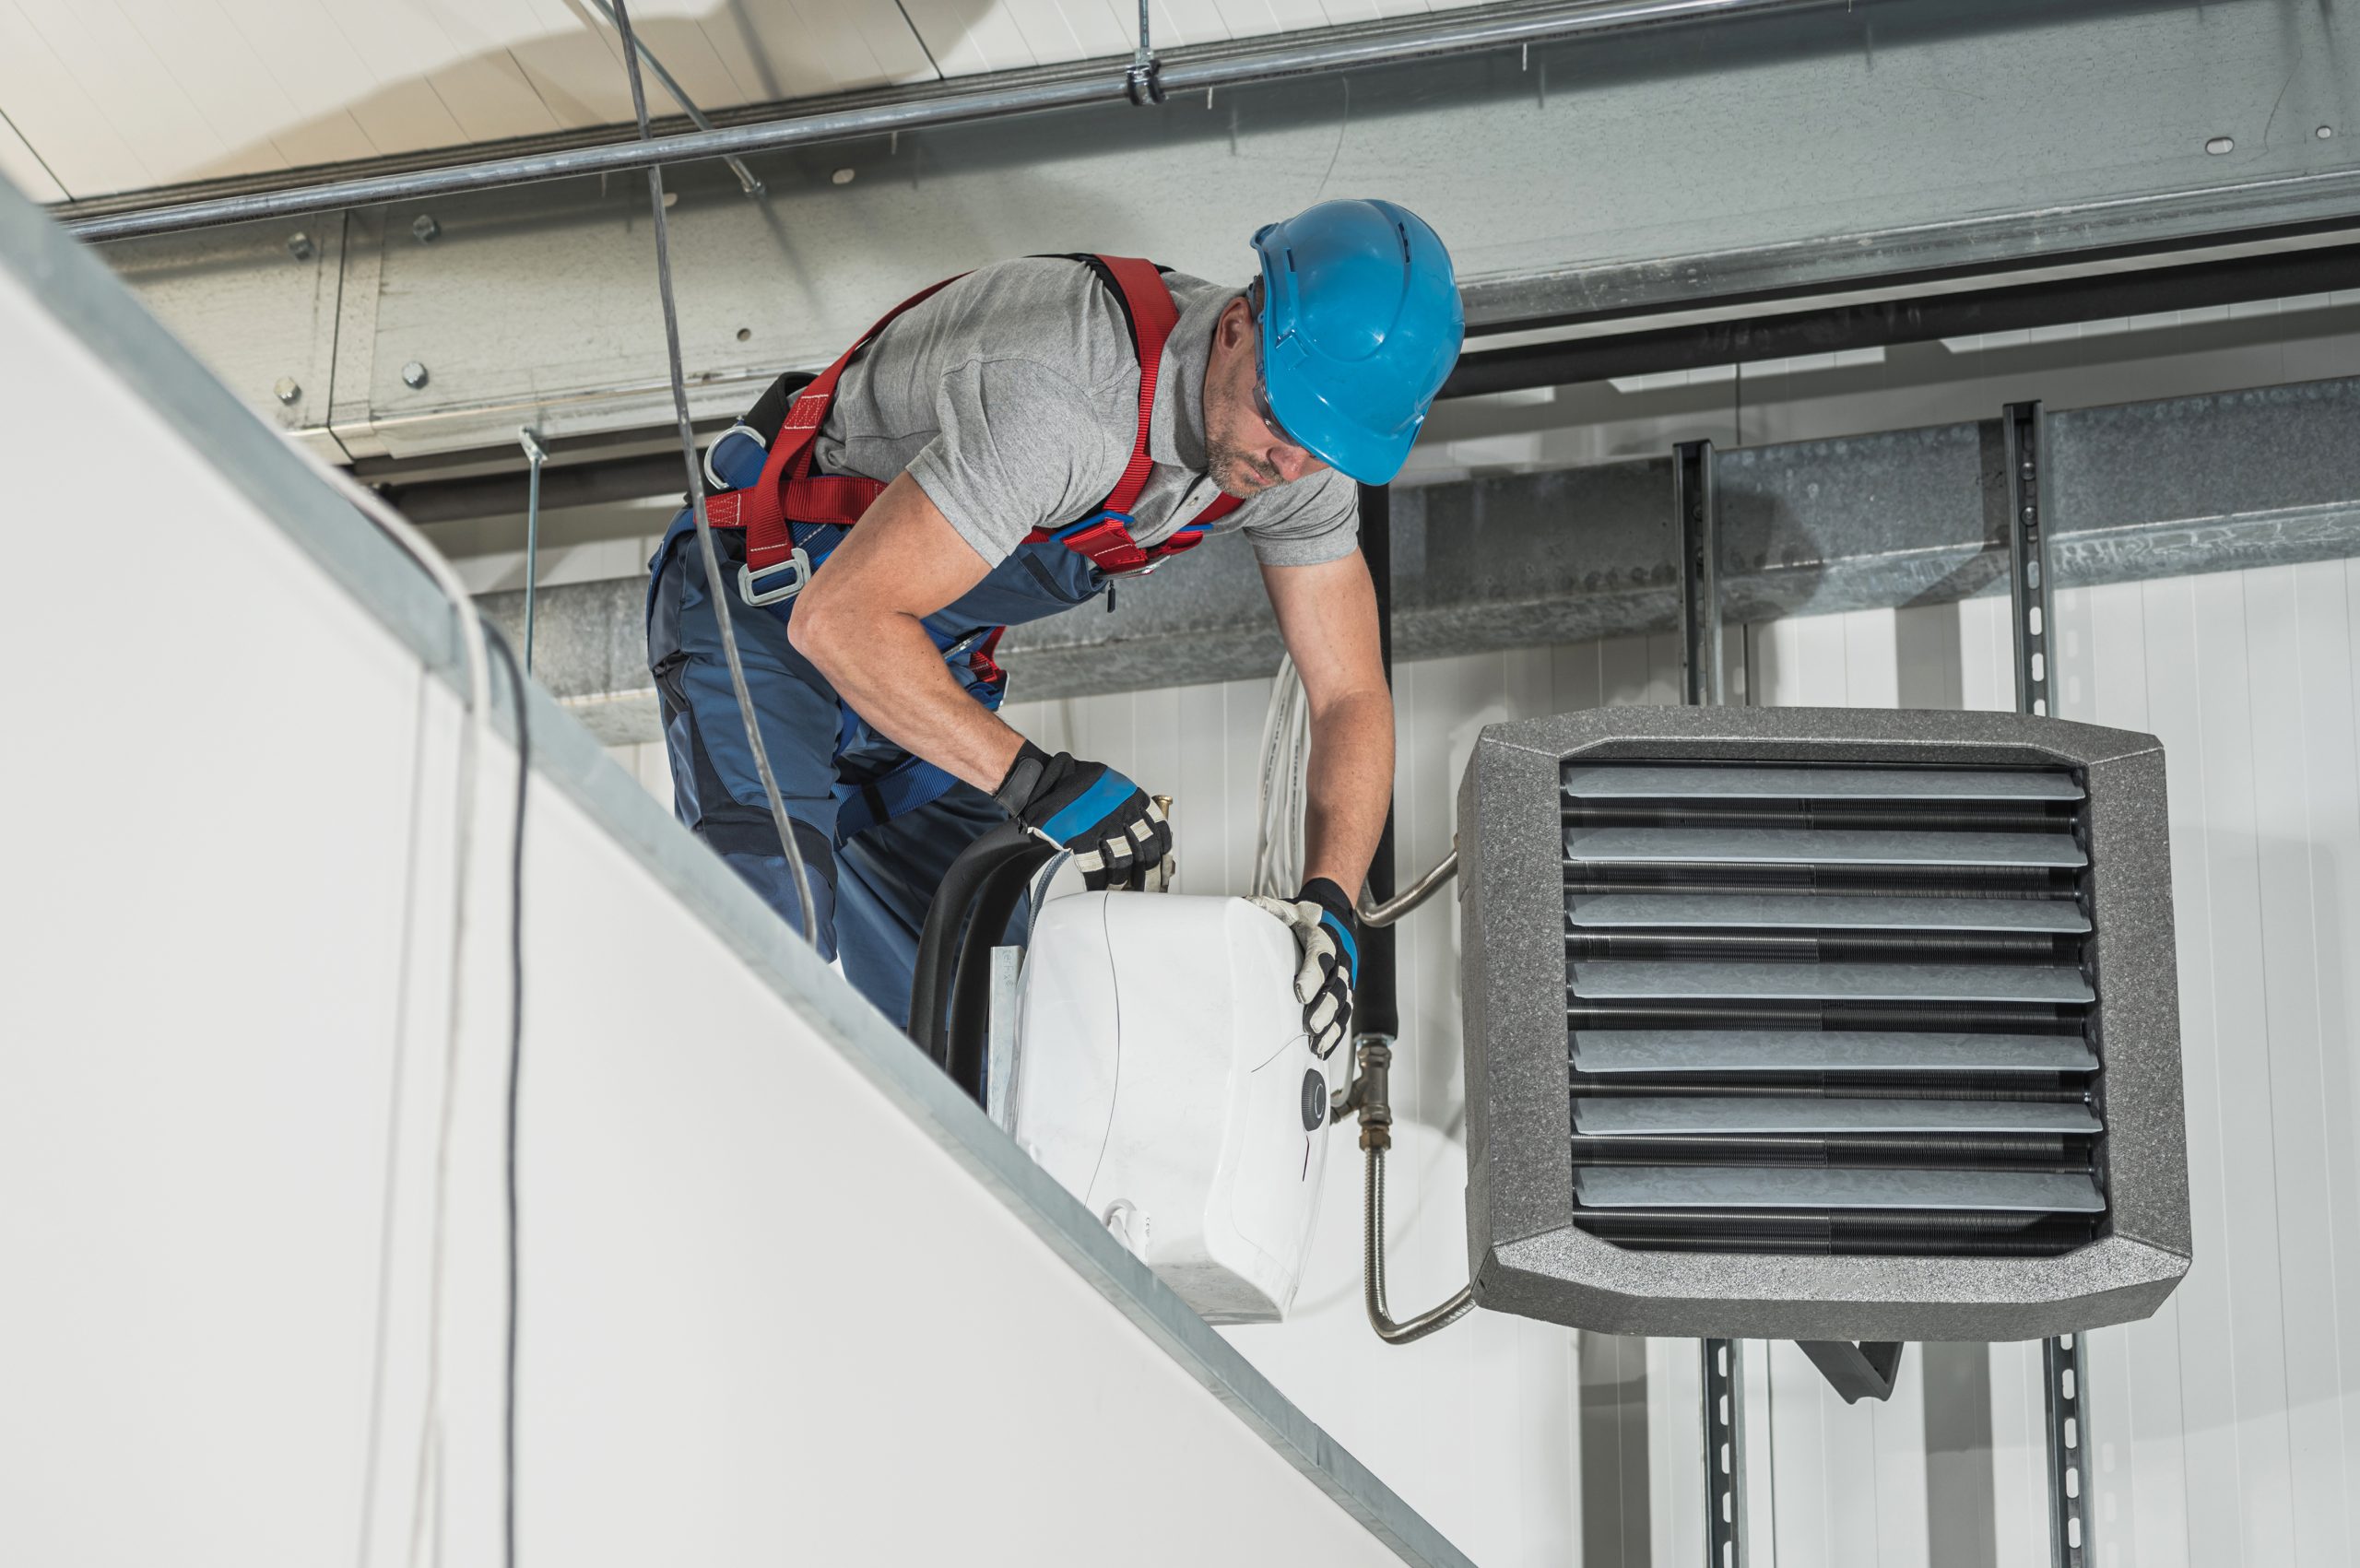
x=1372, y=1092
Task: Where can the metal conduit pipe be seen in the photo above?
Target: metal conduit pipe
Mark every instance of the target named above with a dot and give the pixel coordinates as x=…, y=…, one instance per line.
x=1183, y=72
x=1416, y=893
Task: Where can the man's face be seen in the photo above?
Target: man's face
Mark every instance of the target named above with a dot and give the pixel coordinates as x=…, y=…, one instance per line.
x=1245, y=453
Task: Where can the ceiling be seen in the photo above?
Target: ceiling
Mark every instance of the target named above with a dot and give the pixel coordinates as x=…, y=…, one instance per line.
x=104, y=96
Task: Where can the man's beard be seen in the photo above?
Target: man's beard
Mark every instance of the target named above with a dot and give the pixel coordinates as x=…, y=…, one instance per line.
x=1238, y=474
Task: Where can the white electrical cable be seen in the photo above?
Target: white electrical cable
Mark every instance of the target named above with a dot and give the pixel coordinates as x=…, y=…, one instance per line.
x=474, y=731
x=1285, y=758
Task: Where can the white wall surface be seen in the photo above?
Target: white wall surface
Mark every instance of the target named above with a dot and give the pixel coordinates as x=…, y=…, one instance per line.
x=769, y=1312
x=2224, y=1431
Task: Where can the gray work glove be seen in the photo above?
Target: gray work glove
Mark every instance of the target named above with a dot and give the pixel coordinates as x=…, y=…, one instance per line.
x=1327, y=930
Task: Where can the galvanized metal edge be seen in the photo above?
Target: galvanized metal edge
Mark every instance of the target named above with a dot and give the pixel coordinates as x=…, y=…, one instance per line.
x=88, y=300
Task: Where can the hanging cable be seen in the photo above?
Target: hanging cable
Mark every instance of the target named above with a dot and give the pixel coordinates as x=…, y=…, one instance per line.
x=499, y=644
x=714, y=584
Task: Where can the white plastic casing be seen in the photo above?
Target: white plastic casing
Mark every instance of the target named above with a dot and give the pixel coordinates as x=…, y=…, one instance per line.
x=1162, y=1076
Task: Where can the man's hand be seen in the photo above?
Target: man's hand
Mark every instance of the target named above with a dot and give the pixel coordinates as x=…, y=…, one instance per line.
x=1327, y=931
x=1118, y=836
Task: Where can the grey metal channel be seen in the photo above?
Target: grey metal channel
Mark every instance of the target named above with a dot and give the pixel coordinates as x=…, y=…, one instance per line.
x=1831, y=1009
x=1724, y=1454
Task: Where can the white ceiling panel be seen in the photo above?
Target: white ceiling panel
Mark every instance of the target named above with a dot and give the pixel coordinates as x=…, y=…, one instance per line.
x=965, y=38
x=109, y=95
x=62, y=125
x=1256, y=18
x=900, y=56
x=102, y=74
x=252, y=71
x=794, y=48
x=487, y=92
x=22, y=169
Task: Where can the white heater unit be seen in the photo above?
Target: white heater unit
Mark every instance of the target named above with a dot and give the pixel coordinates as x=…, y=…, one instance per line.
x=1154, y=1062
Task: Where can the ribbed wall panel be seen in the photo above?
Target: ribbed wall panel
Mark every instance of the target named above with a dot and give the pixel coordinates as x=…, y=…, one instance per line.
x=2220, y=1425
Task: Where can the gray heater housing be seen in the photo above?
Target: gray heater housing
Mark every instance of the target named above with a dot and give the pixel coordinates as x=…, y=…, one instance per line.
x=1530, y=1235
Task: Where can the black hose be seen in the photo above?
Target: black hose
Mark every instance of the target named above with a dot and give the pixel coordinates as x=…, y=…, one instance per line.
x=1001, y=890
x=935, y=974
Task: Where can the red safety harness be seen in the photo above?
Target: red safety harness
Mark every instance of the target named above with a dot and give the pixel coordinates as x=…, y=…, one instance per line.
x=789, y=493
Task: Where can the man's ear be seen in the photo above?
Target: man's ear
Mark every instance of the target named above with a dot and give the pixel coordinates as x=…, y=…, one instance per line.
x=1236, y=322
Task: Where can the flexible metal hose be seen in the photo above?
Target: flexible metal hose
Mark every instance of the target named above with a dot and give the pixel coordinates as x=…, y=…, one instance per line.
x=1373, y=1240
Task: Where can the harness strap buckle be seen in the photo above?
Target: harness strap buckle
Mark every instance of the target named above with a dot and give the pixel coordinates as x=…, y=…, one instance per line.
x=798, y=562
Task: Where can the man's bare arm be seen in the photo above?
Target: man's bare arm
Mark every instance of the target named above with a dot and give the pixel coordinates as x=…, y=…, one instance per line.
x=861, y=622
x=1327, y=620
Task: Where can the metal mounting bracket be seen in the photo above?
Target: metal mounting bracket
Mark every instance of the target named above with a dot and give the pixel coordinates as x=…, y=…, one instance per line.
x=1145, y=77
x=1700, y=574
x=2031, y=589
x=1855, y=1371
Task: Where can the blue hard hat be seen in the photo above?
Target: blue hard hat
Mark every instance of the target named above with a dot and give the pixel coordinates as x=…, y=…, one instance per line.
x=1360, y=321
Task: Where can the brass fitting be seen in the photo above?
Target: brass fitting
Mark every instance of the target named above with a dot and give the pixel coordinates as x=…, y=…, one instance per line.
x=1369, y=1093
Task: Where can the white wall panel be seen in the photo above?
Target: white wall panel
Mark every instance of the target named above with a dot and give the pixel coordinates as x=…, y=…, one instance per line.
x=773, y=1289
x=2226, y=1428
x=2223, y=1429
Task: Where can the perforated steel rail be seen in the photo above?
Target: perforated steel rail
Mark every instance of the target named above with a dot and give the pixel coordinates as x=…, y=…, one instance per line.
x=1698, y=524
x=2032, y=603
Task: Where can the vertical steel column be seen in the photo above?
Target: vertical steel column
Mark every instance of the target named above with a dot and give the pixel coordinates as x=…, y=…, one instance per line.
x=2028, y=577
x=1724, y=1454
x=2069, y=1492
x=1700, y=574
x=2031, y=603
x=535, y=455
x=1700, y=685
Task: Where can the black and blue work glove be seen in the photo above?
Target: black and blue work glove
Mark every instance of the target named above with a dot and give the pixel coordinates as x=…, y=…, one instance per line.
x=1327, y=931
x=1118, y=835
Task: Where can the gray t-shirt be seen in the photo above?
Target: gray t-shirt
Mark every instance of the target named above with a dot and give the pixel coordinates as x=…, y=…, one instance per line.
x=1012, y=397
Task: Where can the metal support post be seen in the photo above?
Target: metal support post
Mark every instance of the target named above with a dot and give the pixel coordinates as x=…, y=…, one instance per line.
x=1700, y=574
x=1723, y=1451
x=2069, y=1492
x=2029, y=592
x=535, y=455
x=2030, y=600
x=1700, y=681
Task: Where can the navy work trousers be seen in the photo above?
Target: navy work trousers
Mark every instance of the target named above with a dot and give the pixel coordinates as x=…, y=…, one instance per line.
x=878, y=828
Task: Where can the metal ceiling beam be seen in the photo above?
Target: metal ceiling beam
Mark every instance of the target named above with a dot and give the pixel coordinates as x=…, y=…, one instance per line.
x=1548, y=174
x=1885, y=323
x=2167, y=488
x=1184, y=71
x=593, y=481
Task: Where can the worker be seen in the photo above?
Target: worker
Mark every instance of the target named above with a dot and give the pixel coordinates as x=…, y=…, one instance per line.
x=1012, y=443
